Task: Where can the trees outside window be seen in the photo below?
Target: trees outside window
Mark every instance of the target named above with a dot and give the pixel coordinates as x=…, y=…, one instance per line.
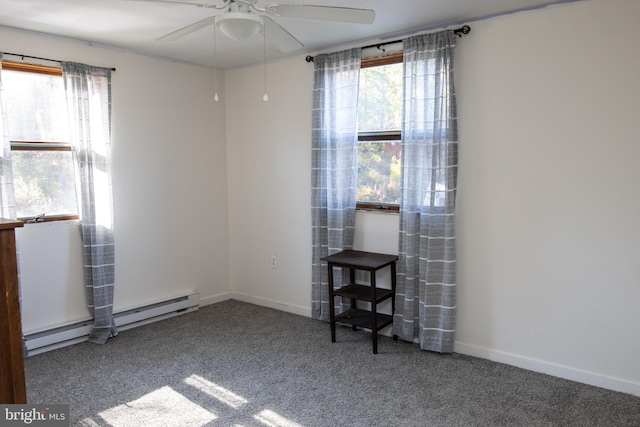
x=379, y=133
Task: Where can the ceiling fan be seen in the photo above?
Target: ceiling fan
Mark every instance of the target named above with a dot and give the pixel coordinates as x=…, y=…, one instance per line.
x=241, y=19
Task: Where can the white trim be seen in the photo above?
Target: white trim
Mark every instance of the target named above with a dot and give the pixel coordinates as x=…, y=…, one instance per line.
x=251, y=299
x=266, y=302
x=524, y=362
x=550, y=368
x=520, y=361
x=214, y=299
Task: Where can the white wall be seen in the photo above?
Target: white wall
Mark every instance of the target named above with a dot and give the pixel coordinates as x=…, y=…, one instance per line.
x=548, y=209
x=548, y=235
x=51, y=277
x=269, y=149
x=269, y=158
x=169, y=183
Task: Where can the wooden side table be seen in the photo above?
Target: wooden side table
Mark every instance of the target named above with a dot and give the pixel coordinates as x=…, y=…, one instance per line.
x=356, y=317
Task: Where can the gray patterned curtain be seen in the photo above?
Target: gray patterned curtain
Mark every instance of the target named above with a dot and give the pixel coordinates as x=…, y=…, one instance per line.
x=426, y=287
x=88, y=91
x=334, y=166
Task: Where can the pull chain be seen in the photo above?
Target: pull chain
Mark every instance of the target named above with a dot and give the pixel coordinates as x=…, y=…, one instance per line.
x=215, y=66
x=264, y=57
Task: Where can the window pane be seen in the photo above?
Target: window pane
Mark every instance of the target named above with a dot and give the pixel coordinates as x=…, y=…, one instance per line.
x=44, y=183
x=379, y=112
x=36, y=106
x=379, y=172
x=380, y=98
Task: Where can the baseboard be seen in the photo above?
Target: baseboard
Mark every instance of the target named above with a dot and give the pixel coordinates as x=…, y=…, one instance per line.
x=536, y=365
x=214, y=299
x=549, y=368
x=252, y=299
x=266, y=302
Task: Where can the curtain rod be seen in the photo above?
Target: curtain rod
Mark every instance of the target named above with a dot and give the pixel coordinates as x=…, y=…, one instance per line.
x=38, y=57
x=465, y=29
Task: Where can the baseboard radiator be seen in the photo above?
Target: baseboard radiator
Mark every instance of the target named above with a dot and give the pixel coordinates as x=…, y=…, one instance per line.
x=63, y=336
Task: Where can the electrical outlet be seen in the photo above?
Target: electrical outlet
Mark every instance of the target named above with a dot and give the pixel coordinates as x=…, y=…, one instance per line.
x=274, y=261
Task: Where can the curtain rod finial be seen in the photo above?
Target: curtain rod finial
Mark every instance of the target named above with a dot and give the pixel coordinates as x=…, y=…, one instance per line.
x=309, y=58
x=465, y=29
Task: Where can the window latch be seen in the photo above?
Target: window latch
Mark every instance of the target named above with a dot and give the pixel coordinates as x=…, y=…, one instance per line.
x=37, y=218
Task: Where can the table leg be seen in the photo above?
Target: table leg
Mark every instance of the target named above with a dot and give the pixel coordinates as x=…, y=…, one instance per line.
x=374, y=316
x=332, y=316
x=393, y=298
x=352, y=278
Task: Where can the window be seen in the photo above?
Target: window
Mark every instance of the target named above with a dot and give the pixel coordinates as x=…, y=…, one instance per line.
x=43, y=172
x=379, y=133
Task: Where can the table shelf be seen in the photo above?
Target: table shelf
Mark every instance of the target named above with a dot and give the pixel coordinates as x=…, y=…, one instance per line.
x=362, y=318
x=363, y=293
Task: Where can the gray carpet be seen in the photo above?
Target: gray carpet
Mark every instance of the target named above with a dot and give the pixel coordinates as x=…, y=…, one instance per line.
x=238, y=364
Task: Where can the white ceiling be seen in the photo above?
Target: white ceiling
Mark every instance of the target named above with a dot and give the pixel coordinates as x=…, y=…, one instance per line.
x=135, y=25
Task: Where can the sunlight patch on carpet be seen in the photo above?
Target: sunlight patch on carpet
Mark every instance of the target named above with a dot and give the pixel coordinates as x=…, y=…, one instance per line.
x=222, y=394
x=272, y=419
x=162, y=407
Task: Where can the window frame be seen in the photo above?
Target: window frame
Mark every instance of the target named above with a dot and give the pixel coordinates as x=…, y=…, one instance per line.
x=21, y=145
x=379, y=61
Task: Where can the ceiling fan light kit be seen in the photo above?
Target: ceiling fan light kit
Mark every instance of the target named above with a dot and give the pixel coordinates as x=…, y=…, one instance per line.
x=239, y=25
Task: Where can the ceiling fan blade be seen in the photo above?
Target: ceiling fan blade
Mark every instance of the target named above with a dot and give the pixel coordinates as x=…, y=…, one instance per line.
x=328, y=13
x=181, y=32
x=280, y=37
x=207, y=5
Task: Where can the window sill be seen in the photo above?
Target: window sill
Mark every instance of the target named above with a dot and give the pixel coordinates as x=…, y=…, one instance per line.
x=378, y=208
x=51, y=218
